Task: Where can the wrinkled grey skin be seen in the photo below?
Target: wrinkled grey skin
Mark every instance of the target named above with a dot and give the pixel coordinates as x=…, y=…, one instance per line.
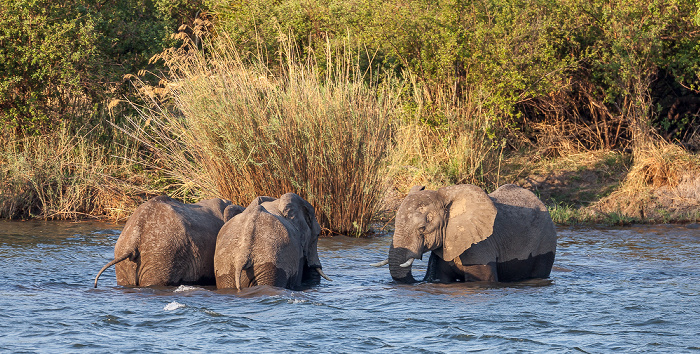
x=273, y=242
x=166, y=242
x=507, y=235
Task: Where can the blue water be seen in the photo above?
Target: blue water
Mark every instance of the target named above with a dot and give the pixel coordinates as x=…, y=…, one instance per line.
x=634, y=289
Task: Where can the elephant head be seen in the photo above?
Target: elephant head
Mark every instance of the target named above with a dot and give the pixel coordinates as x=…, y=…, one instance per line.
x=447, y=221
x=301, y=215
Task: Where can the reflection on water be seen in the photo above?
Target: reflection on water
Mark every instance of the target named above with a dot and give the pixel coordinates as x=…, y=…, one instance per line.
x=629, y=289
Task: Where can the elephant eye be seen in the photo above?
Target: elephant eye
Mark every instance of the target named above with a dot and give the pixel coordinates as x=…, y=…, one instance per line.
x=421, y=229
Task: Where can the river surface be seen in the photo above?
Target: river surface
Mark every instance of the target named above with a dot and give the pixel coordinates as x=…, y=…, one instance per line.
x=634, y=289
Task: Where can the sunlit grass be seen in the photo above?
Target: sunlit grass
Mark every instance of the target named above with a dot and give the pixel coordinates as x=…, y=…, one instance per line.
x=66, y=175
x=237, y=130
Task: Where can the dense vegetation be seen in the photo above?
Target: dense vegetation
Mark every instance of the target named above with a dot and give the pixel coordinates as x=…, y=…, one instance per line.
x=263, y=97
x=62, y=62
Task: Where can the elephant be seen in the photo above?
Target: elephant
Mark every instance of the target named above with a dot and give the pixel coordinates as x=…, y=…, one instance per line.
x=166, y=242
x=504, y=236
x=272, y=242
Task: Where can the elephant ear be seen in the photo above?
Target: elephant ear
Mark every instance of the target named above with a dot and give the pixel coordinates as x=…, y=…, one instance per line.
x=292, y=205
x=297, y=207
x=416, y=189
x=471, y=216
x=231, y=211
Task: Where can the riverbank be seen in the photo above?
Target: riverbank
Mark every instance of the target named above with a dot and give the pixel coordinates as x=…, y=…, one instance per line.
x=63, y=177
x=601, y=187
x=341, y=103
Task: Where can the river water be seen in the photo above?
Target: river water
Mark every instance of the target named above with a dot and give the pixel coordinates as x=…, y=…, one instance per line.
x=634, y=289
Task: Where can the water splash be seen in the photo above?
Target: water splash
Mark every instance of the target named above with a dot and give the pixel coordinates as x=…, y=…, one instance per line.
x=173, y=306
x=183, y=288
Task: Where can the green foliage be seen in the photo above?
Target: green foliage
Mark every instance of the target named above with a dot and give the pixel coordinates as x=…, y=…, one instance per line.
x=592, y=63
x=62, y=61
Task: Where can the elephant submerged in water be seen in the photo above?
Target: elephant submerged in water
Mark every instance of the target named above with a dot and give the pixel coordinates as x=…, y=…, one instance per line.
x=273, y=242
x=507, y=235
x=166, y=242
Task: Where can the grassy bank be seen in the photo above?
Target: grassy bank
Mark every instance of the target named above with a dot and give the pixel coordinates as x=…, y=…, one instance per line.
x=659, y=185
x=68, y=175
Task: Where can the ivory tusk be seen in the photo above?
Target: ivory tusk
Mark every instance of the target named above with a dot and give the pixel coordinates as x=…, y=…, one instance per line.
x=380, y=264
x=323, y=274
x=408, y=263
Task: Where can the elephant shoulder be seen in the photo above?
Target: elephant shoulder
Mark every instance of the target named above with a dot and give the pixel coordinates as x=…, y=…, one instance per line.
x=254, y=219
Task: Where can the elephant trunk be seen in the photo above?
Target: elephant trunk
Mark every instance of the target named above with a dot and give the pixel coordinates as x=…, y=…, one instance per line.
x=398, y=267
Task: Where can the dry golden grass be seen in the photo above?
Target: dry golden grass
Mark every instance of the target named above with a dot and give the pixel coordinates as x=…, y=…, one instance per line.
x=657, y=166
x=65, y=176
x=439, y=143
x=232, y=128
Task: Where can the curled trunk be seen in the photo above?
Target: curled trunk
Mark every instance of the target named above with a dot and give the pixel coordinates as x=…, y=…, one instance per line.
x=397, y=257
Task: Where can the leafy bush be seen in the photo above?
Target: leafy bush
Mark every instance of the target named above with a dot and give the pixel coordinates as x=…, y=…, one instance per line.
x=589, y=74
x=63, y=61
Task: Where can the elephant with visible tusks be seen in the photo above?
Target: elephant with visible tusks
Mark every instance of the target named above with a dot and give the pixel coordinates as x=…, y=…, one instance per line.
x=504, y=236
x=166, y=242
x=273, y=242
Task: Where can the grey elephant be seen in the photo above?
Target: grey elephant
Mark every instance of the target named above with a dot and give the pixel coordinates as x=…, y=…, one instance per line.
x=166, y=242
x=504, y=236
x=273, y=242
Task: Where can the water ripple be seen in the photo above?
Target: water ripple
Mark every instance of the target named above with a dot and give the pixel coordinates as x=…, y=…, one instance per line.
x=621, y=289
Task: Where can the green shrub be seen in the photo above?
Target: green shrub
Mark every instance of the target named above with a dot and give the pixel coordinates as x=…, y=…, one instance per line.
x=63, y=61
x=590, y=74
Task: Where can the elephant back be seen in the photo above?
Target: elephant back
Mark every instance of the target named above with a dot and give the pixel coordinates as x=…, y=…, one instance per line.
x=172, y=242
x=524, y=221
x=255, y=239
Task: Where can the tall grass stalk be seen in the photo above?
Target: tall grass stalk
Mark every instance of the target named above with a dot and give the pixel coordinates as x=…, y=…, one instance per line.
x=232, y=128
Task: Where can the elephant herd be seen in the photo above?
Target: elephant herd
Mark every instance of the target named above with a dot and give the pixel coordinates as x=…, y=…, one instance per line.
x=504, y=236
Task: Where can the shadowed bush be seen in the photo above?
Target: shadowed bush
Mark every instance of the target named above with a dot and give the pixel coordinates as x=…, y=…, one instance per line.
x=238, y=130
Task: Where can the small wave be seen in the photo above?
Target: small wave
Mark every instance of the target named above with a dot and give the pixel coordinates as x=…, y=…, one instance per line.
x=107, y=232
x=213, y=313
x=297, y=301
x=173, y=306
x=183, y=288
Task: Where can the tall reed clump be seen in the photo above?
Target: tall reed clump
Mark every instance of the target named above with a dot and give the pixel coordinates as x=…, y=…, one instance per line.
x=439, y=143
x=63, y=175
x=232, y=128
